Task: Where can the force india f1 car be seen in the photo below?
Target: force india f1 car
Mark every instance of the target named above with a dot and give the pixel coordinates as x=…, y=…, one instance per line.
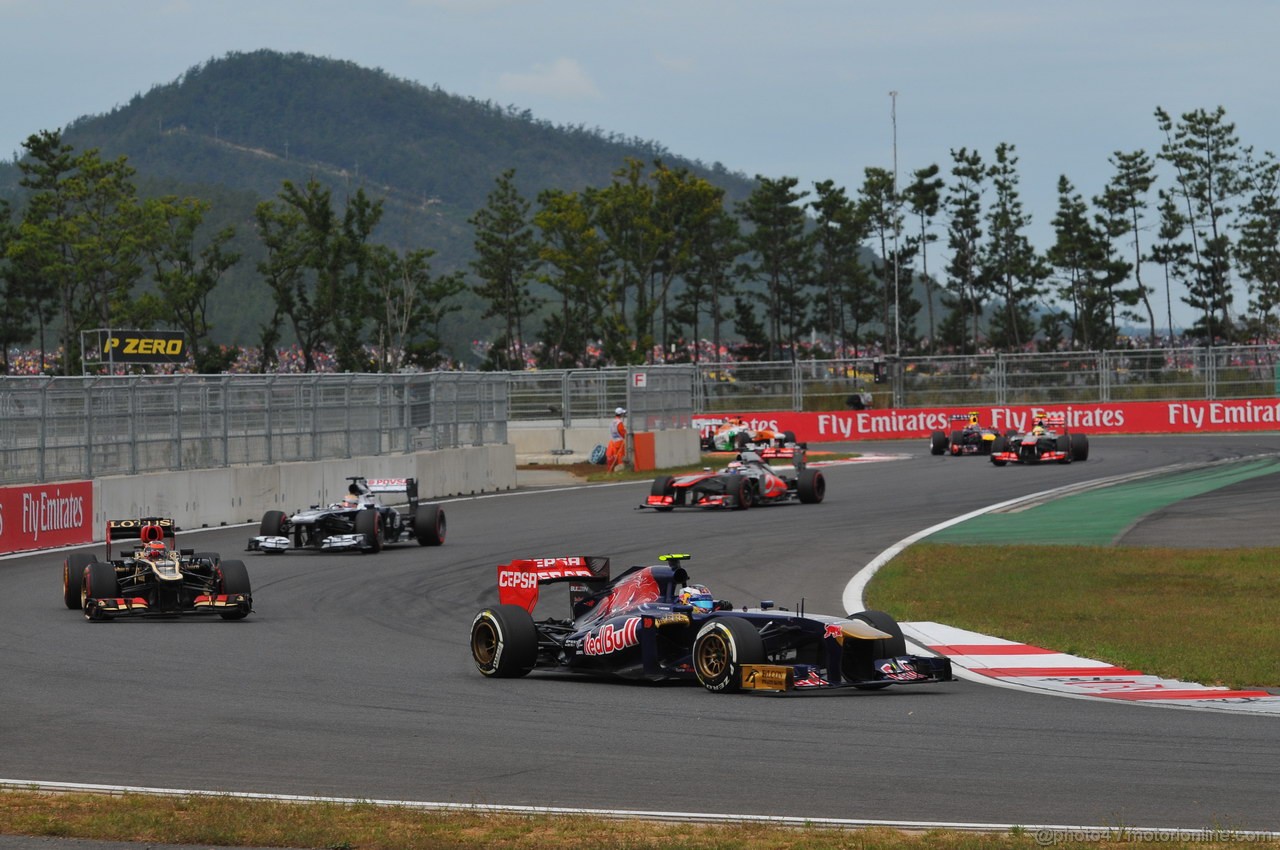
x=1047, y=442
x=360, y=522
x=734, y=435
x=154, y=577
x=749, y=480
x=651, y=624
x=971, y=439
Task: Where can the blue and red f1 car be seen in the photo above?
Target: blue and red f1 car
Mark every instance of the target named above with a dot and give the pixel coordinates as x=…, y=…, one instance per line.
x=651, y=624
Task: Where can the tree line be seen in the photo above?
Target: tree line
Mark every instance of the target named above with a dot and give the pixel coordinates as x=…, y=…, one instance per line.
x=656, y=260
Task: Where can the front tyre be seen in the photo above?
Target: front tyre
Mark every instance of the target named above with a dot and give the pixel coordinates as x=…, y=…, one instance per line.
x=504, y=642
x=720, y=650
x=369, y=523
x=938, y=443
x=272, y=524
x=429, y=525
x=811, y=486
x=233, y=580
x=999, y=446
x=662, y=487
x=1079, y=447
x=99, y=583
x=858, y=665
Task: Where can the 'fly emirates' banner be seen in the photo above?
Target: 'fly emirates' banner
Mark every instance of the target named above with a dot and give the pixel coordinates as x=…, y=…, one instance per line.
x=44, y=516
x=1142, y=417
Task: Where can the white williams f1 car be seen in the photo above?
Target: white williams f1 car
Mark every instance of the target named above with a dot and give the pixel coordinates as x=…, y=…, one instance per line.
x=360, y=522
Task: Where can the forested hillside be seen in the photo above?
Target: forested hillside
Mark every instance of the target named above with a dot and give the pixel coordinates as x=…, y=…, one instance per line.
x=232, y=130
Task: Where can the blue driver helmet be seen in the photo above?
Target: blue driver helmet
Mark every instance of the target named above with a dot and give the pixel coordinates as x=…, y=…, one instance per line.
x=698, y=596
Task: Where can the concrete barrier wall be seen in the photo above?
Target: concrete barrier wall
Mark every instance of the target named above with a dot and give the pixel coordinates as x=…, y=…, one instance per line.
x=243, y=493
x=677, y=447
x=544, y=443
x=240, y=494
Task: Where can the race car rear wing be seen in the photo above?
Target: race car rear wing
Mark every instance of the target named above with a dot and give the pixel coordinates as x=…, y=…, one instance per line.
x=145, y=529
x=408, y=486
x=1057, y=421
x=519, y=581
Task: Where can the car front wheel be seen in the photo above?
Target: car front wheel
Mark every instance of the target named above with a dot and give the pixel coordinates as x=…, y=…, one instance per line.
x=721, y=649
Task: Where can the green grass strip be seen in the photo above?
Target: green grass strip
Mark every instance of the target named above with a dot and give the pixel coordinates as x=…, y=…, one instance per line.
x=1200, y=615
x=1098, y=517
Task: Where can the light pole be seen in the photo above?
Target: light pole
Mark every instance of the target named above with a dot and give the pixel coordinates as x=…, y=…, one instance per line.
x=897, y=302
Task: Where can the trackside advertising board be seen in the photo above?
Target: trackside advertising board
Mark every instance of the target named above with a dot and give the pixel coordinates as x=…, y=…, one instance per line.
x=127, y=347
x=44, y=516
x=1144, y=417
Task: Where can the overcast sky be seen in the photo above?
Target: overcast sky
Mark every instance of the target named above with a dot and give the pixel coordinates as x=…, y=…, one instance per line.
x=799, y=89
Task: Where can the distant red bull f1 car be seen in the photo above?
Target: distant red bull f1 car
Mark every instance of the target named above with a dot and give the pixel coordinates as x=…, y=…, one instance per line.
x=652, y=624
x=1048, y=441
x=971, y=439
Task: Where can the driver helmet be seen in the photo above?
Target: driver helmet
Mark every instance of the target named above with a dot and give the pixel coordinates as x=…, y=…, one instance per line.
x=698, y=596
x=154, y=550
x=735, y=465
x=1038, y=431
x=351, y=500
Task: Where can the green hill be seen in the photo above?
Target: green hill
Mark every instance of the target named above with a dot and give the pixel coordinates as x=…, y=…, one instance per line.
x=233, y=129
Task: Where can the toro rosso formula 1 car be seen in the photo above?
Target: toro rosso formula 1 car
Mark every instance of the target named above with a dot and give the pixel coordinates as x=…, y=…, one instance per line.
x=1047, y=442
x=651, y=624
x=747, y=481
x=360, y=522
x=971, y=439
x=153, y=577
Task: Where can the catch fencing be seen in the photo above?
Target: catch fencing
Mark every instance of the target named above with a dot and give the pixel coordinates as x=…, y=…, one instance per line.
x=57, y=429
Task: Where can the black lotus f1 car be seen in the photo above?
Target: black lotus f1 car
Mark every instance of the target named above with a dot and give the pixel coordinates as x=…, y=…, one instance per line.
x=749, y=480
x=1048, y=441
x=360, y=522
x=637, y=627
x=154, y=577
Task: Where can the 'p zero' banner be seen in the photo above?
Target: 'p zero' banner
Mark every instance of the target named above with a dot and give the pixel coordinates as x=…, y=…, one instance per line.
x=1144, y=417
x=113, y=346
x=44, y=516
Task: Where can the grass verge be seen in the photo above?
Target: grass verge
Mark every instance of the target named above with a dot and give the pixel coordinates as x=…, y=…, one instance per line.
x=229, y=822
x=1204, y=616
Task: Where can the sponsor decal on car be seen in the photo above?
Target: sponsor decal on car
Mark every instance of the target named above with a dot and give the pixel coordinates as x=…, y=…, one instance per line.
x=610, y=639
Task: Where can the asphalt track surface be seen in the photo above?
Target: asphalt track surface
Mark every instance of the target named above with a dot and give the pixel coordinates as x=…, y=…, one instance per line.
x=353, y=676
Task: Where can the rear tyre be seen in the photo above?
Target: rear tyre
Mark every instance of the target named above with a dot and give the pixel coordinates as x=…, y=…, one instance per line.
x=73, y=578
x=938, y=443
x=788, y=437
x=429, y=525
x=740, y=441
x=369, y=523
x=720, y=650
x=233, y=580
x=891, y=647
x=1080, y=446
x=811, y=487
x=504, y=642
x=272, y=524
